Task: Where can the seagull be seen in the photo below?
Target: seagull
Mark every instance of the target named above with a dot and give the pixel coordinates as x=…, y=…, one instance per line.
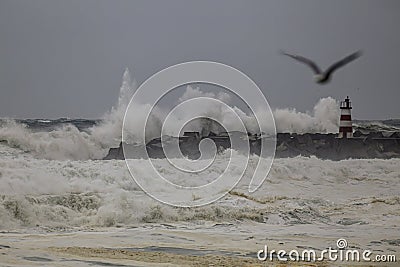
x=323, y=77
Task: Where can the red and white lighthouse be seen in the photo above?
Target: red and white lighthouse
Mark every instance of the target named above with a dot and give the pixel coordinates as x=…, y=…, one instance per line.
x=345, y=125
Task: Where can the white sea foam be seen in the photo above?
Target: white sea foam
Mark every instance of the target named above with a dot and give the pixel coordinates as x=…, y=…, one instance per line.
x=66, y=142
x=55, y=193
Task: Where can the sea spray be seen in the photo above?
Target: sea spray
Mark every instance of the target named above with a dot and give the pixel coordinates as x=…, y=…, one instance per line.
x=325, y=118
x=67, y=142
x=108, y=132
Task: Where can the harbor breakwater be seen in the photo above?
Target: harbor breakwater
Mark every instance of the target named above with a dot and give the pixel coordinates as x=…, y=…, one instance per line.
x=325, y=146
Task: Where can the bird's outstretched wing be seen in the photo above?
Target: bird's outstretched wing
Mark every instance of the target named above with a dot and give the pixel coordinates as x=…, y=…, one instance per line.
x=342, y=62
x=304, y=60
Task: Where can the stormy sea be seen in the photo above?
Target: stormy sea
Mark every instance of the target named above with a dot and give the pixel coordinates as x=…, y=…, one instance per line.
x=62, y=205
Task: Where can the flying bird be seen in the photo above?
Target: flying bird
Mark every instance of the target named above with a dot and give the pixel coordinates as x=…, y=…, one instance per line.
x=323, y=77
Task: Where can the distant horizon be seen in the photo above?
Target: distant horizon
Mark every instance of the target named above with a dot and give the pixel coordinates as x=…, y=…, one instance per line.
x=70, y=118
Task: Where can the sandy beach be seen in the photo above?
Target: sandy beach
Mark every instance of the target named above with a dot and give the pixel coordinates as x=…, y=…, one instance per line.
x=202, y=244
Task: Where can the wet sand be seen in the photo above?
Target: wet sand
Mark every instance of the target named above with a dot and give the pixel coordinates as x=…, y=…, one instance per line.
x=205, y=244
x=172, y=259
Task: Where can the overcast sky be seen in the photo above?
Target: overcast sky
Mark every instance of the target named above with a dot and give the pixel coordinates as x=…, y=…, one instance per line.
x=66, y=58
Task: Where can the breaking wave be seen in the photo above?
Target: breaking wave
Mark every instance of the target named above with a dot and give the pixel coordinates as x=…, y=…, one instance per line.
x=71, y=139
x=63, y=194
x=66, y=141
x=324, y=119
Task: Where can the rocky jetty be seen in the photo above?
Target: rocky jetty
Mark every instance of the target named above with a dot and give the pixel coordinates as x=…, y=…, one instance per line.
x=325, y=146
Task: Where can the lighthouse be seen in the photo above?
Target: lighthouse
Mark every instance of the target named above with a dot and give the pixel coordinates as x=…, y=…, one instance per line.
x=345, y=125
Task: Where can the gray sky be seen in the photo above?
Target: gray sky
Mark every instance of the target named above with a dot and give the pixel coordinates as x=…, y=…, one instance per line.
x=66, y=58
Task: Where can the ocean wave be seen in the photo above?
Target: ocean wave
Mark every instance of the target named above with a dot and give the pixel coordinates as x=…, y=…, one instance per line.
x=79, y=139
x=55, y=194
x=64, y=138
x=377, y=126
